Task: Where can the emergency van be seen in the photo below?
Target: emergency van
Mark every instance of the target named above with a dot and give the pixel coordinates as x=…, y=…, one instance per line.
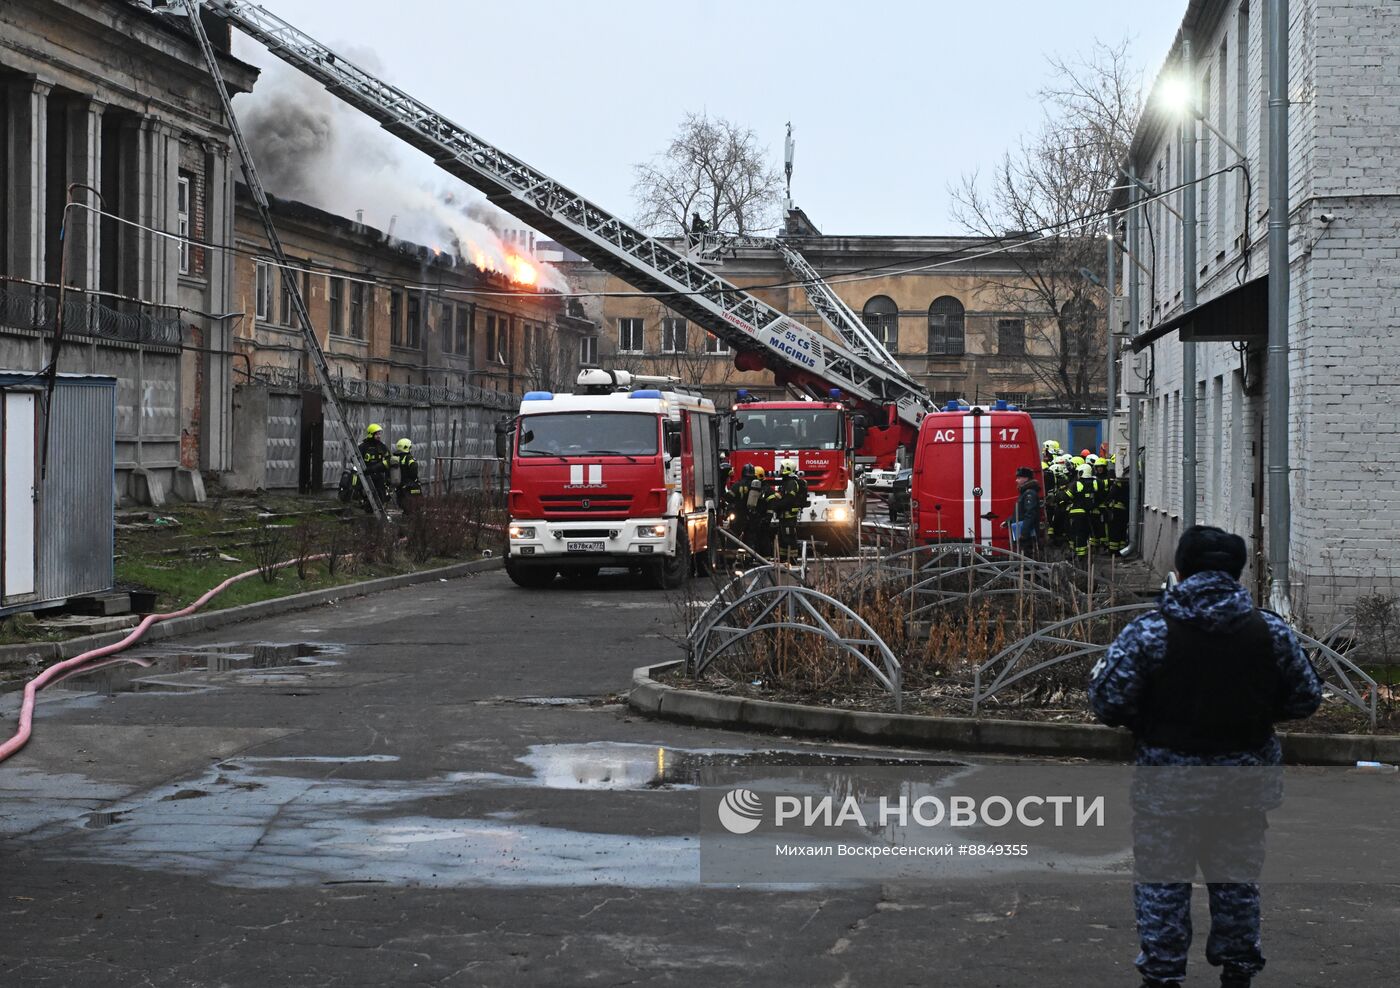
x=963, y=488
x=613, y=475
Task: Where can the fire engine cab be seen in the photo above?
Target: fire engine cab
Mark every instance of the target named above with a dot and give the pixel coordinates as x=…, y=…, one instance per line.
x=963, y=487
x=822, y=438
x=614, y=475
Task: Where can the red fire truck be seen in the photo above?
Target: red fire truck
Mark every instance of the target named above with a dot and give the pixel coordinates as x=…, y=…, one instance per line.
x=612, y=476
x=963, y=487
x=822, y=437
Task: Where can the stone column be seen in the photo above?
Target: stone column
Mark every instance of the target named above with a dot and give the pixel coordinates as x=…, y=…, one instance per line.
x=137, y=245
x=217, y=413
x=27, y=153
x=165, y=191
x=83, y=120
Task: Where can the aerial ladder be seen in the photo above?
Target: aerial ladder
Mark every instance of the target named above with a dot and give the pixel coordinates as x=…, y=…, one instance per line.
x=761, y=336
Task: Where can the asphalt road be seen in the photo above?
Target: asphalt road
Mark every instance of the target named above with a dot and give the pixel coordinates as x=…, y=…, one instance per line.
x=445, y=790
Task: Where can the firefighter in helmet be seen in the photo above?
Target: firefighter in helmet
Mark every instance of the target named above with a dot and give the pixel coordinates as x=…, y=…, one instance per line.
x=375, y=456
x=409, y=490
x=758, y=525
x=1118, y=494
x=1081, y=510
x=789, y=499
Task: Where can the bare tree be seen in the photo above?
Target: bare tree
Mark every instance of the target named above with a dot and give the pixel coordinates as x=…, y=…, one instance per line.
x=1060, y=181
x=715, y=169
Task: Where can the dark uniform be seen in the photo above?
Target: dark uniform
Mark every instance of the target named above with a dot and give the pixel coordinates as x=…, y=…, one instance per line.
x=1027, y=518
x=409, y=489
x=376, y=459
x=1081, y=493
x=1200, y=682
x=1101, y=493
x=1117, y=513
x=788, y=501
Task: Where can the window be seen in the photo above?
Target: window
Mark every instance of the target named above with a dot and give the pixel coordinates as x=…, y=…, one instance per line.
x=357, y=311
x=673, y=336
x=1080, y=321
x=783, y=429
x=881, y=317
x=445, y=327
x=629, y=336
x=713, y=344
x=335, y=293
x=182, y=226
x=262, y=289
x=1011, y=337
x=588, y=351
x=463, y=336
x=413, y=338
x=580, y=433
x=496, y=345
x=396, y=318
x=945, y=327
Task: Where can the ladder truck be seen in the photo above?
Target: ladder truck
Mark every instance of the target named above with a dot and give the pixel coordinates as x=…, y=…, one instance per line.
x=761, y=337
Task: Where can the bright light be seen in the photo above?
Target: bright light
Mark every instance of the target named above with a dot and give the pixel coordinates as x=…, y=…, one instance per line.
x=837, y=512
x=1175, y=94
x=519, y=532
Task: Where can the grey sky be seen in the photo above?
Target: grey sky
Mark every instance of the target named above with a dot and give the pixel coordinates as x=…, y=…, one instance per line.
x=890, y=101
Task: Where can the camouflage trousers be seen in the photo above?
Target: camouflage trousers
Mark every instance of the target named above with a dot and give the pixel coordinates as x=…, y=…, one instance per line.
x=1164, y=908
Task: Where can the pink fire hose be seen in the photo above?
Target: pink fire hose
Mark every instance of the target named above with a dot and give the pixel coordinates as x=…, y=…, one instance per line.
x=58, y=670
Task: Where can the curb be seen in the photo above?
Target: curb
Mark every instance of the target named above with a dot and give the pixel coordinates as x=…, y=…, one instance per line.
x=1023, y=737
x=43, y=652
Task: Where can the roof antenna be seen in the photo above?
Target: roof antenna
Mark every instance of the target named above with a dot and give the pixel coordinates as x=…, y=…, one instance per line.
x=789, y=145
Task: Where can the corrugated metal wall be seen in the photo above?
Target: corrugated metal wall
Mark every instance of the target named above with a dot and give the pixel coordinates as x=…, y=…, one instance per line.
x=76, y=506
x=283, y=438
x=430, y=428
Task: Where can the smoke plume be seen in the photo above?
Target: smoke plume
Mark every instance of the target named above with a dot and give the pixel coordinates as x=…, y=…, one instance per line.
x=313, y=148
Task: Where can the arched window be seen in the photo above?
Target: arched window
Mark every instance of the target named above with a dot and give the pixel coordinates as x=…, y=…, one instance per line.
x=881, y=316
x=945, y=327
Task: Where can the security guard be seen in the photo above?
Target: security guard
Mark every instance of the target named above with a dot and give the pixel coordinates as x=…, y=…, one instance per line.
x=1200, y=682
x=409, y=489
x=376, y=459
x=1081, y=510
x=789, y=499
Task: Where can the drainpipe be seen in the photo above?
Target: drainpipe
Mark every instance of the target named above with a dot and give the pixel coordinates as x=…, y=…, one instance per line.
x=1134, y=403
x=1188, y=290
x=1279, y=493
x=1111, y=399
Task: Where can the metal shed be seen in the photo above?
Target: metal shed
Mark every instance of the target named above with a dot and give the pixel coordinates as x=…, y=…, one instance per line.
x=57, y=530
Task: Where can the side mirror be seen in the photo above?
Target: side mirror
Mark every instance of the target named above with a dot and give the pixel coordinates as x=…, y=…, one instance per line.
x=673, y=444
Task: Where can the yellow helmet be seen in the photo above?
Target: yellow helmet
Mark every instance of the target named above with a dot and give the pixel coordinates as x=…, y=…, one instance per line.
x=373, y=429
x=1076, y=461
x=403, y=445
x=758, y=472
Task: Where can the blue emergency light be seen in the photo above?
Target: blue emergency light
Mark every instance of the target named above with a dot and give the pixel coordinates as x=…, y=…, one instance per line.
x=1001, y=405
x=645, y=393
x=952, y=406
x=835, y=394
x=742, y=394
x=538, y=396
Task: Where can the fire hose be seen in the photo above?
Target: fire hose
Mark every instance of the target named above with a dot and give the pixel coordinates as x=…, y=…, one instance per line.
x=70, y=666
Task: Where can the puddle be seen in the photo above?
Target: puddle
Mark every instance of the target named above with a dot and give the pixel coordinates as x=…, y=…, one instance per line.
x=142, y=671
x=613, y=765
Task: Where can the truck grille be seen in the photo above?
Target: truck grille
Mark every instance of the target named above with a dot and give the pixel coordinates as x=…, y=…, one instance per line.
x=585, y=505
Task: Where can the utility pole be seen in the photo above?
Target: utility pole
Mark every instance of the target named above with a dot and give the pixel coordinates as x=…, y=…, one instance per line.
x=1111, y=265
x=1277, y=366
x=1188, y=288
x=1134, y=403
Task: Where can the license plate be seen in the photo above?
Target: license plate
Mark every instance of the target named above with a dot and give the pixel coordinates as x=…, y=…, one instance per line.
x=584, y=546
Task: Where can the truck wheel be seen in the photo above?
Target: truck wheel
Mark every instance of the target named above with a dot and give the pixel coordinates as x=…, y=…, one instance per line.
x=672, y=571
x=530, y=577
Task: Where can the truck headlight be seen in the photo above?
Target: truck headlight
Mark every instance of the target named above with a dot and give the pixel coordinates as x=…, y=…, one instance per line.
x=838, y=512
x=651, y=531
x=522, y=532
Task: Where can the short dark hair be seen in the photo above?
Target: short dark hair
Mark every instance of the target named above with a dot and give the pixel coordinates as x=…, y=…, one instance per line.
x=1204, y=547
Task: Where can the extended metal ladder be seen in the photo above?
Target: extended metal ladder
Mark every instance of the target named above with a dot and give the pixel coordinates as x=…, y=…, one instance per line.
x=746, y=323
x=289, y=285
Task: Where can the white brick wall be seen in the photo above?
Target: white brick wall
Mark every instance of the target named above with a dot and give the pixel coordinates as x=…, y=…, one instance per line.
x=1345, y=300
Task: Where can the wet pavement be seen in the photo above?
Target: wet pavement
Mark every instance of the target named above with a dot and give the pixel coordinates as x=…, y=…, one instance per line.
x=438, y=785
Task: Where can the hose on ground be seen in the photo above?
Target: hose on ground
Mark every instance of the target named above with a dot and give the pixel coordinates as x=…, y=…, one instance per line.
x=69, y=666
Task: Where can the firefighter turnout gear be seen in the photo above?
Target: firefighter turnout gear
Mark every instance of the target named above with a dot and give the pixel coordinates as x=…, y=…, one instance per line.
x=1081, y=510
x=403, y=469
x=788, y=499
x=376, y=459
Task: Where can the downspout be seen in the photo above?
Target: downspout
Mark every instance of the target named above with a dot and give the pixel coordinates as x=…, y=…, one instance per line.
x=1188, y=289
x=1278, y=392
x=1134, y=402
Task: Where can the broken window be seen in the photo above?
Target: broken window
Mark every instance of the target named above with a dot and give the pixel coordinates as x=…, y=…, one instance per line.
x=414, y=337
x=357, y=310
x=713, y=344
x=396, y=318
x=335, y=296
x=262, y=290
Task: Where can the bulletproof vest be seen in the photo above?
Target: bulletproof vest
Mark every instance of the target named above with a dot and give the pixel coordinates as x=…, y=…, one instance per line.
x=1215, y=692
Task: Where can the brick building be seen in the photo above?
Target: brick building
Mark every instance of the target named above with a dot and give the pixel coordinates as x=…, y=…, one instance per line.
x=1344, y=195
x=104, y=94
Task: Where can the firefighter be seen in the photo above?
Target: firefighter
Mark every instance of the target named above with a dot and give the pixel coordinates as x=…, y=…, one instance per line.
x=1081, y=510
x=409, y=490
x=737, y=502
x=376, y=459
x=1052, y=480
x=789, y=499
x=1101, y=494
x=755, y=514
x=1118, y=512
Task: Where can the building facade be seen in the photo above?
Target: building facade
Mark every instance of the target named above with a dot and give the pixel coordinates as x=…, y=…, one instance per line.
x=943, y=306
x=116, y=105
x=1344, y=300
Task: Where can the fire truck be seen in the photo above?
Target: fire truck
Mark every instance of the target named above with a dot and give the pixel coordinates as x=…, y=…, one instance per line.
x=822, y=438
x=963, y=487
x=620, y=473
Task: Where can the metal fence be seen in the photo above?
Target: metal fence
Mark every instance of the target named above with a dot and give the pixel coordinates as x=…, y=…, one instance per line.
x=33, y=308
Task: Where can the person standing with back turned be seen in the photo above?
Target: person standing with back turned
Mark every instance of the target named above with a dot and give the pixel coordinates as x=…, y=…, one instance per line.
x=1201, y=681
